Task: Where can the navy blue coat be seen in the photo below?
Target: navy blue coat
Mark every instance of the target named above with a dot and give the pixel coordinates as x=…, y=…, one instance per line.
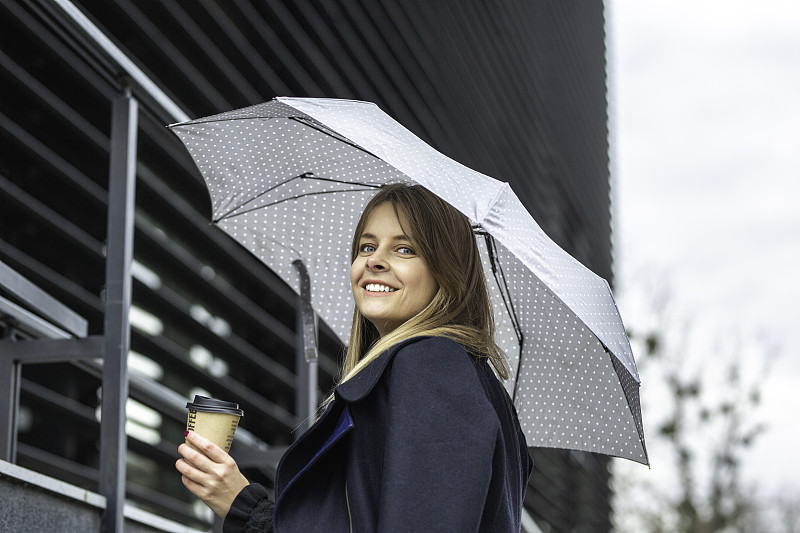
x=423, y=439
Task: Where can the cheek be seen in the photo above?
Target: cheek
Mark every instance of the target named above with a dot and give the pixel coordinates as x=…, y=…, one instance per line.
x=426, y=286
x=433, y=288
x=355, y=272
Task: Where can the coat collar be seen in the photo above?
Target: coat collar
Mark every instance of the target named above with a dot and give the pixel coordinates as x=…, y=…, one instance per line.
x=357, y=387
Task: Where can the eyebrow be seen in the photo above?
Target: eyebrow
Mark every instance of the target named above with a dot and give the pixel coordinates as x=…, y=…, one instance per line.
x=401, y=237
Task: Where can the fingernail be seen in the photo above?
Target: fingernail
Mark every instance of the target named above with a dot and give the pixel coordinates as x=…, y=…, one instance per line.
x=186, y=433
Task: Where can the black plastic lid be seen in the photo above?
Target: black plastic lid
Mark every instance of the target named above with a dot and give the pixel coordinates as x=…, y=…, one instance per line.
x=210, y=405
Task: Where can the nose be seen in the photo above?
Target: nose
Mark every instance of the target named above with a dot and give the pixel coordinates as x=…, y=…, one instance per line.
x=376, y=262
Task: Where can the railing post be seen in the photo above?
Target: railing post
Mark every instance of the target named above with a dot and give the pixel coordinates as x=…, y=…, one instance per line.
x=119, y=254
x=9, y=406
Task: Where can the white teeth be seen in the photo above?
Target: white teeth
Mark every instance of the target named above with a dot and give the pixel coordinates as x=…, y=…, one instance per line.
x=376, y=287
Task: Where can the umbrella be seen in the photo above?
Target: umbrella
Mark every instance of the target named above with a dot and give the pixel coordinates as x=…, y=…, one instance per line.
x=288, y=179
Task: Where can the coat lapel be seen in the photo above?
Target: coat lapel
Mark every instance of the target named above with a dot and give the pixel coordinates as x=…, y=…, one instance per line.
x=335, y=423
x=357, y=387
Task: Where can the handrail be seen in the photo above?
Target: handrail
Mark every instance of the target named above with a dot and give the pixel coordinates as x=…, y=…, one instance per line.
x=136, y=75
x=51, y=308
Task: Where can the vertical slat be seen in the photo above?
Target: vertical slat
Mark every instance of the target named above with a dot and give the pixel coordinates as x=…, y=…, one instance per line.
x=9, y=403
x=119, y=254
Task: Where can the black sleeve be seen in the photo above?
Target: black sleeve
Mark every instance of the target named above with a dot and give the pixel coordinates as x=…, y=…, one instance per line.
x=251, y=511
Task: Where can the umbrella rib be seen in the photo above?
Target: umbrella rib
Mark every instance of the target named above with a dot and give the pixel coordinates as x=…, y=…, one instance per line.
x=321, y=129
x=491, y=247
x=276, y=202
x=228, y=214
x=305, y=175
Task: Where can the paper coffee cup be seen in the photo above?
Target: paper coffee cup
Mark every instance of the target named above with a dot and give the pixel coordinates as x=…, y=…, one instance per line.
x=214, y=419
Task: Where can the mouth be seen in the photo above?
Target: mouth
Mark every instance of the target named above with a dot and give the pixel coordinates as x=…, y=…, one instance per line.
x=378, y=287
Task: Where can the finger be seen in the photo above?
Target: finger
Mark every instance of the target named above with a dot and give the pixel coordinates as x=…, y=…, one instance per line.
x=211, y=450
x=194, y=487
x=190, y=471
x=195, y=459
x=185, y=468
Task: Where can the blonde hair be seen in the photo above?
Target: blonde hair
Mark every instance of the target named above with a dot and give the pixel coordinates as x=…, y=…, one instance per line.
x=460, y=310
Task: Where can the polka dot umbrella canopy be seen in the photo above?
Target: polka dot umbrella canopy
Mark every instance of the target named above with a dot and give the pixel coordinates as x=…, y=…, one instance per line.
x=289, y=178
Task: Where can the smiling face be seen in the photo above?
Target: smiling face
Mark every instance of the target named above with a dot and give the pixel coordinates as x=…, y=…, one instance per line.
x=391, y=283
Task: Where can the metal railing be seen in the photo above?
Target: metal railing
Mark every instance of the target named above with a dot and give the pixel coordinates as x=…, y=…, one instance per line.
x=71, y=343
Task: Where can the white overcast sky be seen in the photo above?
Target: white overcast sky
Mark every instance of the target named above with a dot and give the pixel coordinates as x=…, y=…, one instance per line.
x=705, y=143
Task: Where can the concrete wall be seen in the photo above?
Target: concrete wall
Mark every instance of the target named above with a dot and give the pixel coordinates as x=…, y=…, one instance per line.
x=32, y=502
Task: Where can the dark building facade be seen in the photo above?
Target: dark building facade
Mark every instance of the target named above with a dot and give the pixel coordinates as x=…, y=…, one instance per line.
x=514, y=89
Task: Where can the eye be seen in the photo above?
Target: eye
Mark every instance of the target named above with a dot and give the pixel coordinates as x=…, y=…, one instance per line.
x=405, y=250
x=368, y=248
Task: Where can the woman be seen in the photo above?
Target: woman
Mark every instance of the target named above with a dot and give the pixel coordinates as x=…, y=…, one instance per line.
x=419, y=434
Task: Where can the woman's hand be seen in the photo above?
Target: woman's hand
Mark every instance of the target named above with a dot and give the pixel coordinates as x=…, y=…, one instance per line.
x=210, y=473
